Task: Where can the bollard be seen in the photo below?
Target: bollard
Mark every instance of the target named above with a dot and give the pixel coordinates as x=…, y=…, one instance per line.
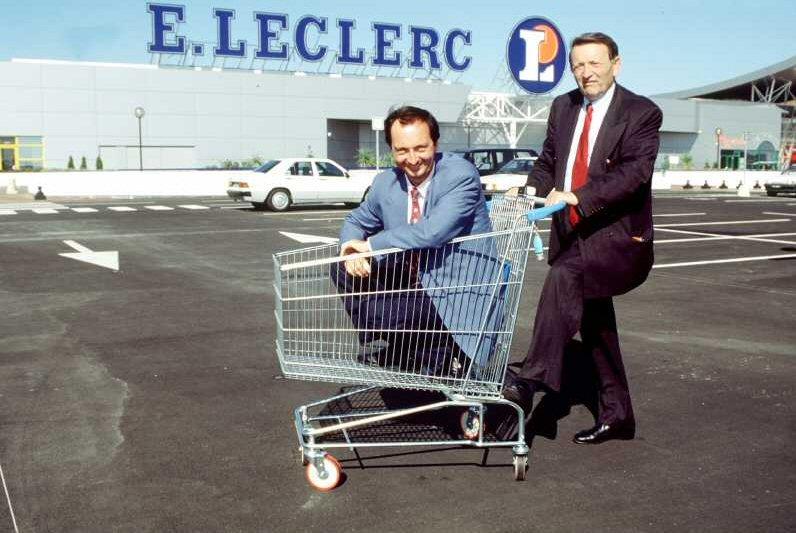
x=39, y=195
x=12, y=186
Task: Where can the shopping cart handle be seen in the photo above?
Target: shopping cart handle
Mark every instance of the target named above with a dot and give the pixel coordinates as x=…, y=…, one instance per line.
x=544, y=212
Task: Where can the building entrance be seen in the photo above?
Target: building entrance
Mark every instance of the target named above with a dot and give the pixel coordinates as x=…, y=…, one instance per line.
x=7, y=158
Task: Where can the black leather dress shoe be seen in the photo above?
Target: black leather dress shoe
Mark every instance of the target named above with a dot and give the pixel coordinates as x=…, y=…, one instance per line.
x=520, y=391
x=603, y=432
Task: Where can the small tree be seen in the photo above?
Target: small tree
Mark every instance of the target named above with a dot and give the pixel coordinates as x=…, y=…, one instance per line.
x=687, y=161
x=707, y=165
x=98, y=164
x=83, y=165
x=366, y=158
x=71, y=163
x=387, y=160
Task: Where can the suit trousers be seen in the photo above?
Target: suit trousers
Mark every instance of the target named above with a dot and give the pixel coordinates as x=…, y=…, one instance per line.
x=561, y=313
x=390, y=308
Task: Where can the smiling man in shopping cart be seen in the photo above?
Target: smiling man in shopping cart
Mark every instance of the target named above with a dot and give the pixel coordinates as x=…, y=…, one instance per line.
x=421, y=308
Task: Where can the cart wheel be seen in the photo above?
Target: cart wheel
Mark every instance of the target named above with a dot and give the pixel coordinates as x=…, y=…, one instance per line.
x=328, y=480
x=470, y=424
x=520, y=467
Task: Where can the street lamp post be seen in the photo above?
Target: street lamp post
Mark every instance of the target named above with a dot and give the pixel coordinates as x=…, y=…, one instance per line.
x=139, y=114
x=743, y=188
x=718, y=148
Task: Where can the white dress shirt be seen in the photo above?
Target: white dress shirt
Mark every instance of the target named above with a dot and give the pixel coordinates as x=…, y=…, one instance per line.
x=599, y=109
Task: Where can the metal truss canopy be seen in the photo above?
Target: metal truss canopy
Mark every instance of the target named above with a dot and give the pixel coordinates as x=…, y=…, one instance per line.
x=509, y=114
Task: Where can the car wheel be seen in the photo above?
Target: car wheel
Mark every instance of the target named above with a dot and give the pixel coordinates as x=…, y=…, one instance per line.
x=278, y=200
x=771, y=193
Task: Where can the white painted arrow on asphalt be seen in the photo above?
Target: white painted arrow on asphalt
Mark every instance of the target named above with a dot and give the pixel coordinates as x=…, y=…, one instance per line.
x=304, y=238
x=103, y=259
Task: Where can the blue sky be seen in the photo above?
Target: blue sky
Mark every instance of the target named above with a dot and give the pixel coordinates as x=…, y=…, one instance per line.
x=665, y=45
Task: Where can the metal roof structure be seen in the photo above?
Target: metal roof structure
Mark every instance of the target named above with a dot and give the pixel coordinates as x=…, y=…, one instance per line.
x=773, y=84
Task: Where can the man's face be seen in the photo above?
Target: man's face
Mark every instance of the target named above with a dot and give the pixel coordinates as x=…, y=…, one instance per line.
x=592, y=68
x=413, y=149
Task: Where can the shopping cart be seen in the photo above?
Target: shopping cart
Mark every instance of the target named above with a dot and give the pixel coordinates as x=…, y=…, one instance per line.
x=458, y=305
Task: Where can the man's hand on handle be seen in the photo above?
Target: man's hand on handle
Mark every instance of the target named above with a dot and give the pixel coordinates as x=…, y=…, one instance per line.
x=560, y=196
x=359, y=267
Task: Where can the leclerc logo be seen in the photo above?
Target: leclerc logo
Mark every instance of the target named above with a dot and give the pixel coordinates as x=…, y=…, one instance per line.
x=536, y=55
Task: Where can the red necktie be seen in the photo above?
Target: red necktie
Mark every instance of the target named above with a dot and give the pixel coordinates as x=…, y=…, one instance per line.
x=415, y=206
x=580, y=170
x=414, y=257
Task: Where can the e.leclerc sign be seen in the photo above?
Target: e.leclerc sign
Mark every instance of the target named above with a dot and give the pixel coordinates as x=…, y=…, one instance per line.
x=428, y=46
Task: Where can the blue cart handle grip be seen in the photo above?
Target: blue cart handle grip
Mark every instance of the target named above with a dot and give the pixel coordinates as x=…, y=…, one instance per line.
x=544, y=212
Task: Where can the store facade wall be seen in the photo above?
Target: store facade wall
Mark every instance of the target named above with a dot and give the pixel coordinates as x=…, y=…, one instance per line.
x=197, y=118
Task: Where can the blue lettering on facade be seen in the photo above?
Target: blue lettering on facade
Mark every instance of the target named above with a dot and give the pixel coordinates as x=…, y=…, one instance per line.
x=450, y=44
x=161, y=29
x=423, y=46
x=346, y=26
x=424, y=41
x=224, y=48
x=301, y=37
x=268, y=34
x=384, y=44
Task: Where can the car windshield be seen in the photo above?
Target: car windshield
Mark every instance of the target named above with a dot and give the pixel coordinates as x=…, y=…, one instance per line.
x=517, y=166
x=268, y=165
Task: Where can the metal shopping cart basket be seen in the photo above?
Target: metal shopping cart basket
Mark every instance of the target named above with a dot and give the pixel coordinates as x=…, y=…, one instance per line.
x=456, y=307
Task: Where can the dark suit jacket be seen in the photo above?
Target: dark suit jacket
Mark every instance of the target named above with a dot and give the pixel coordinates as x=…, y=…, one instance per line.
x=615, y=234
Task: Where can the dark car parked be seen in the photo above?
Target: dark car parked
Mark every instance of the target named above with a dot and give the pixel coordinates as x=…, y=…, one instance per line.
x=489, y=160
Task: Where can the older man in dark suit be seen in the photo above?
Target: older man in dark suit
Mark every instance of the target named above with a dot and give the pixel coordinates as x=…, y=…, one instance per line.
x=598, y=157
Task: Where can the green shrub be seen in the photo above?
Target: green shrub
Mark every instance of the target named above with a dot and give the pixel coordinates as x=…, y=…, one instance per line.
x=98, y=164
x=71, y=164
x=366, y=158
x=83, y=165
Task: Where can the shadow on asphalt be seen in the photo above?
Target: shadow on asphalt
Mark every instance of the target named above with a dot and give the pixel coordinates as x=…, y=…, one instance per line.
x=443, y=425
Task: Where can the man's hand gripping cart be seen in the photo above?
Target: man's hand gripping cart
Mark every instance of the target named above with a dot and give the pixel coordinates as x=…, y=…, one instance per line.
x=326, y=332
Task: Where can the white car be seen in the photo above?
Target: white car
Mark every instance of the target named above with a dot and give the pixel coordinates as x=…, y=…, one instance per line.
x=512, y=174
x=280, y=183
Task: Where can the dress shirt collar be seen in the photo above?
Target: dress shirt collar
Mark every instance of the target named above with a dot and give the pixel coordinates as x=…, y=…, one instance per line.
x=600, y=105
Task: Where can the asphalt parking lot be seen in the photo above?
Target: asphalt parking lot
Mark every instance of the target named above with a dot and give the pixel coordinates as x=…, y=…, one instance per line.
x=146, y=399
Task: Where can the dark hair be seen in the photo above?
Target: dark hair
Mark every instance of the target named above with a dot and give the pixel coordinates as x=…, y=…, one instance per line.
x=596, y=38
x=406, y=115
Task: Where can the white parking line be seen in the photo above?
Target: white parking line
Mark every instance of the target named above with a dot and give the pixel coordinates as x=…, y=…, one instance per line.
x=679, y=214
x=234, y=206
x=728, y=222
x=8, y=499
x=733, y=260
x=755, y=201
x=158, y=208
x=7, y=212
x=713, y=237
x=304, y=213
x=779, y=214
x=122, y=208
x=45, y=211
x=320, y=219
x=193, y=206
x=716, y=237
x=84, y=210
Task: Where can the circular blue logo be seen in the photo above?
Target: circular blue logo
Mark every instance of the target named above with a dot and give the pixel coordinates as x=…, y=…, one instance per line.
x=536, y=55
